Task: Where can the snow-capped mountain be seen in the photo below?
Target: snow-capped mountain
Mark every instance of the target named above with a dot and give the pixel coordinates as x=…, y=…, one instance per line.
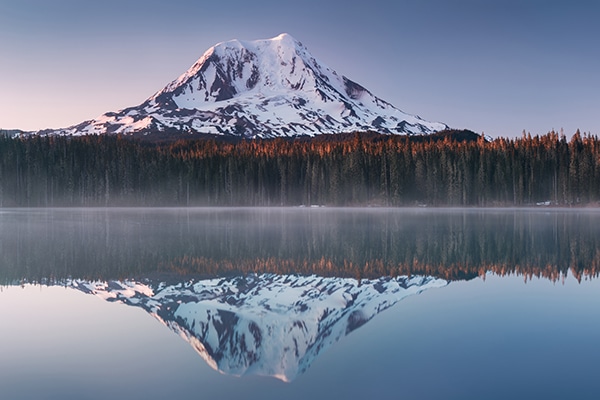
x=270, y=325
x=263, y=88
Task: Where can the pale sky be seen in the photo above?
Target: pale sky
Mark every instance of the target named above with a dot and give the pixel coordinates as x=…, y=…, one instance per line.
x=497, y=67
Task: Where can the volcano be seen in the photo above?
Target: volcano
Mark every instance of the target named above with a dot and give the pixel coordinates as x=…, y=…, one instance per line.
x=258, y=89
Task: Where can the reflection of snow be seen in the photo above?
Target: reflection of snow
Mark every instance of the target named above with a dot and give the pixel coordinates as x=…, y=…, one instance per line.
x=273, y=325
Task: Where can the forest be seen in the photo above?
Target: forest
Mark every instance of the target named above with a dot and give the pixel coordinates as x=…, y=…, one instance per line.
x=452, y=168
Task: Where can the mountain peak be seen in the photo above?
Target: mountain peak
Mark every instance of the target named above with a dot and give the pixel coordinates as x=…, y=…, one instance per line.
x=261, y=88
x=281, y=39
x=283, y=36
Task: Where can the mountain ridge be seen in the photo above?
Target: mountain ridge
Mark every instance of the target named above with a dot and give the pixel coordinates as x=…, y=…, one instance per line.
x=258, y=89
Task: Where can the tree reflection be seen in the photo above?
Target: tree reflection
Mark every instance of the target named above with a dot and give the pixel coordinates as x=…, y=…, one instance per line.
x=44, y=245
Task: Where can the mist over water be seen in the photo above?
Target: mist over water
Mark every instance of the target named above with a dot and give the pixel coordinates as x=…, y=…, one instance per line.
x=209, y=242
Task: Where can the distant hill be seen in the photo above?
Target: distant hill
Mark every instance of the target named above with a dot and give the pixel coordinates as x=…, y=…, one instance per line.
x=10, y=132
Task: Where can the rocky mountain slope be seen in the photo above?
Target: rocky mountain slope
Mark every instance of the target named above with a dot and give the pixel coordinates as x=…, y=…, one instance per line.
x=258, y=89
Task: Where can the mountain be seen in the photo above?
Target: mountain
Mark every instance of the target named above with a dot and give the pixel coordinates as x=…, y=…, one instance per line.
x=258, y=89
x=11, y=132
x=270, y=325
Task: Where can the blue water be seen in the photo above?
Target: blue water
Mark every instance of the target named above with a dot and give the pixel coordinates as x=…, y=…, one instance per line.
x=488, y=337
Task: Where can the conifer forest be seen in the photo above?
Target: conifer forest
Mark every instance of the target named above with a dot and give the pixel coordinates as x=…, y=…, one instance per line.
x=451, y=168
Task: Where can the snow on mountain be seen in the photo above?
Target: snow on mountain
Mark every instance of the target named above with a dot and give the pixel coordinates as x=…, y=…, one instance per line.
x=263, y=88
x=270, y=325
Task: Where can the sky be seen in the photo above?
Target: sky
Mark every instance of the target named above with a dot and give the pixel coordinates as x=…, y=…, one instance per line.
x=495, y=67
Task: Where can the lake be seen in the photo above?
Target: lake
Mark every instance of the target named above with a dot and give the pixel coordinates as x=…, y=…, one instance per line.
x=299, y=303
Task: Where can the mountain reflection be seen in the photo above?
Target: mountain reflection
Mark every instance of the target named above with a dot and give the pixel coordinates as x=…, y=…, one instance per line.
x=265, y=291
x=103, y=244
x=270, y=325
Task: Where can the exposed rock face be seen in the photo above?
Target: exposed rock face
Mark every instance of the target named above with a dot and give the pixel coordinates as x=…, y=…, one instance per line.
x=263, y=88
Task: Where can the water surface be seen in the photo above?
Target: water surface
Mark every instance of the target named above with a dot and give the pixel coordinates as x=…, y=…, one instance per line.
x=122, y=302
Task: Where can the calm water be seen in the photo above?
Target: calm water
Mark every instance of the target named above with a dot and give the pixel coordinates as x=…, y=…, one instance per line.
x=299, y=303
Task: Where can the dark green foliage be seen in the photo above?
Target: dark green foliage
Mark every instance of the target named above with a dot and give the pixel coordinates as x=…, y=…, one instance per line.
x=453, y=168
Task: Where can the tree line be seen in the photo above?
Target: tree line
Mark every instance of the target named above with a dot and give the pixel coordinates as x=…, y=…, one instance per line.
x=360, y=169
